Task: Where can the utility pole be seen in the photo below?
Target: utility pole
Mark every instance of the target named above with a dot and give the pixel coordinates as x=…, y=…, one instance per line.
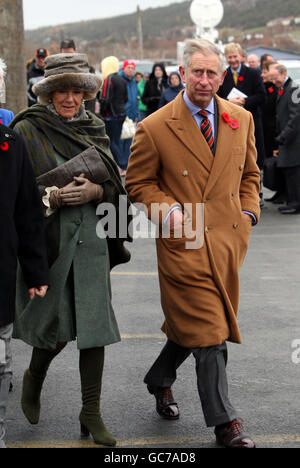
x=140, y=34
x=13, y=52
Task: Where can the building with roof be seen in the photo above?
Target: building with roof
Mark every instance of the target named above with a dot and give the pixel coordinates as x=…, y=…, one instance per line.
x=278, y=54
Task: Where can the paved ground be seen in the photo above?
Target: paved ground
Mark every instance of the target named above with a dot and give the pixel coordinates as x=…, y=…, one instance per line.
x=264, y=381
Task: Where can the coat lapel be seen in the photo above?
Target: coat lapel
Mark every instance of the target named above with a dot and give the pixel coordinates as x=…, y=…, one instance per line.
x=187, y=131
x=223, y=149
x=185, y=128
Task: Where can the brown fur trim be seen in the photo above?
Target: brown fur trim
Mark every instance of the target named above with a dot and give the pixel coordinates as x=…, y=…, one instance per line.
x=87, y=82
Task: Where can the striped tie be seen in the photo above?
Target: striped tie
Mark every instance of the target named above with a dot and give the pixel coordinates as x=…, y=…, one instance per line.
x=206, y=129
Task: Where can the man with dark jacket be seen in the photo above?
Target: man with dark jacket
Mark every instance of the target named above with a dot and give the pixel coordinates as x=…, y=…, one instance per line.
x=114, y=97
x=132, y=108
x=22, y=238
x=249, y=82
x=288, y=138
x=35, y=74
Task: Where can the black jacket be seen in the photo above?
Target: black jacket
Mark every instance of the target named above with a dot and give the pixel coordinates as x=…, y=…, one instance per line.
x=288, y=125
x=250, y=83
x=269, y=119
x=117, y=98
x=34, y=75
x=153, y=90
x=22, y=225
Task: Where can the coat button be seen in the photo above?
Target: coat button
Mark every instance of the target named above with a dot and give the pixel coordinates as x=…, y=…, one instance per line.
x=185, y=173
x=80, y=242
x=207, y=229
x=78, y=222
x=235, y=226
x=241, y=168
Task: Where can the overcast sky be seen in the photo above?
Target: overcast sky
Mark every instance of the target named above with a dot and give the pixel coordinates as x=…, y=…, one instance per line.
x=39, y=13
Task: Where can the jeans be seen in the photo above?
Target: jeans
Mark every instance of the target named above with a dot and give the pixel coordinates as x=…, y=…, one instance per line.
x=5, y=372
x=125, y=153
x=142, y=115
x=114, y=130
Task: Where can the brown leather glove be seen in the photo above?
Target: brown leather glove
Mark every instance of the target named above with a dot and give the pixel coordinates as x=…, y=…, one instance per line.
x=55, y=199
x=83, y=192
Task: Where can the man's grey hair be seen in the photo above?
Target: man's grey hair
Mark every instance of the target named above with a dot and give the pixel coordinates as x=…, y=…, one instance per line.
x=204, y=46
x=280, y=67
x=3, y=68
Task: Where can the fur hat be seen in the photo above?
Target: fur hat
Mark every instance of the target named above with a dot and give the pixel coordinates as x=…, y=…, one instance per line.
x=66, y=71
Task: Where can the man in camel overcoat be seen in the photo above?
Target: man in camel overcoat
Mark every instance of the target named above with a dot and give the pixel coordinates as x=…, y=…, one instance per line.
x=199, y=150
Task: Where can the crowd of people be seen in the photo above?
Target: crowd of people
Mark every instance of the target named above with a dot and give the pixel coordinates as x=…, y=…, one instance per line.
x=147, y=92
x=189, y=128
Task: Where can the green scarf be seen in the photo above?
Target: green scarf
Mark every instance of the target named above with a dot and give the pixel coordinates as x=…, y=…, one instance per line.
x=67, y=138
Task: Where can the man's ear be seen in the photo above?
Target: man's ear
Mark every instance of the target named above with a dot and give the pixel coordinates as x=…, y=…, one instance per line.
x=223, y=77
x=182, y=73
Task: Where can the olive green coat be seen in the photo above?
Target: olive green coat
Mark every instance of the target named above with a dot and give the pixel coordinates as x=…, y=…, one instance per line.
x=78, y=303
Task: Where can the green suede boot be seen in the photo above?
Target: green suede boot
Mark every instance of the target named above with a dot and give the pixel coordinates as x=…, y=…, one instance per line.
x=33, y=382
x=91, y=369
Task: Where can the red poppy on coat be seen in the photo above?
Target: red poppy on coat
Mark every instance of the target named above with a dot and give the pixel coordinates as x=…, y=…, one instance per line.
x=271, y=90
x=241, y=78
x=4, y=146
x=281, y=92
x=226, y=117
x=1, y=122
x=234, y=124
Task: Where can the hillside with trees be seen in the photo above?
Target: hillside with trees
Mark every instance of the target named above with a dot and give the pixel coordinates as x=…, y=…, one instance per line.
x=163, y=27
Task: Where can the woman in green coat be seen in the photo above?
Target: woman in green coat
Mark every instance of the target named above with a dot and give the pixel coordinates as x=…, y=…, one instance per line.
x=78, y=305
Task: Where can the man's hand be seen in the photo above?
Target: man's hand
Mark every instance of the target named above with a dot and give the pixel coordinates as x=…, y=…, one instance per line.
x=238, y=101
x=176, y=219
x=40, y=291
x=247, y=216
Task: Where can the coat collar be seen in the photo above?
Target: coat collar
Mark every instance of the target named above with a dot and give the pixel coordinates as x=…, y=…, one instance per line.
x=187, y=131
x=185, y=128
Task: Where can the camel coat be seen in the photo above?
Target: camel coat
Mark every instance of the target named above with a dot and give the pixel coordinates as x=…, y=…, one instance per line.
x=171, y=163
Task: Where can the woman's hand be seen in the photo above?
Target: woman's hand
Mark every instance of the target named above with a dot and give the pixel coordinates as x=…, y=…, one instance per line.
x=55, y=199
x=81, y=193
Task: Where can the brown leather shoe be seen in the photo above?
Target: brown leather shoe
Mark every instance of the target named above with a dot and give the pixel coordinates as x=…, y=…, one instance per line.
x=166, y=406
x=232, y=435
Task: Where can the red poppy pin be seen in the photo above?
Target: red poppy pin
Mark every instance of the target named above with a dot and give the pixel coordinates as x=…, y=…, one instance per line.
x=241, y=78
x=226, y=117
x=271, y=90
x=281, y=92
x=4, y=146
x=233, y=123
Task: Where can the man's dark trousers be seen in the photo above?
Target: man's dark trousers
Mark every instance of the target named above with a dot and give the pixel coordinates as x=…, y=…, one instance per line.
x=211, y=378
